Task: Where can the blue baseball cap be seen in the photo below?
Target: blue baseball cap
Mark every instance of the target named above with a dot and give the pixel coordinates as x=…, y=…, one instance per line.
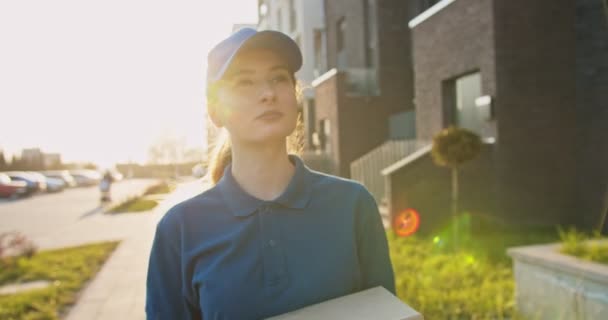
x=223, y=53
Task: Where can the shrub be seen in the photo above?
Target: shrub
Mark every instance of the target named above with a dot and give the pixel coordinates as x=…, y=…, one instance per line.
x=15, y=244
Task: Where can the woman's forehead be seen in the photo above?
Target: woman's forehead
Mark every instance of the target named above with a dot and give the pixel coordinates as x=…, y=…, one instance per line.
x=256, y=60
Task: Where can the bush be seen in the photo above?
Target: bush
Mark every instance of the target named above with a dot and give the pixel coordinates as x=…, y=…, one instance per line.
x=445, y=284
x=454, y=146
x=15, y=244
x=576, y=243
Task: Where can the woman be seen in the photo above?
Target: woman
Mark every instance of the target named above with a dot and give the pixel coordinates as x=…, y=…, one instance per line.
x=271, y=236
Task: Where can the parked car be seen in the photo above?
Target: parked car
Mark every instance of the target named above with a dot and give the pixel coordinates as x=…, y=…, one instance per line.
x=10, y=189
x=86, y=178
x=38, y=177
x=61, y=174
x=55, y=184
x=116, y=175
x=34, y=183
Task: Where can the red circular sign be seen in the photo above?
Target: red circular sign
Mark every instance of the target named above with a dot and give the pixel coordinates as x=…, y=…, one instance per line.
x=406, y=222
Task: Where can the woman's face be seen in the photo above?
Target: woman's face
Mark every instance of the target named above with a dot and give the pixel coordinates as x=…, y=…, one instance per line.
x=256, y=99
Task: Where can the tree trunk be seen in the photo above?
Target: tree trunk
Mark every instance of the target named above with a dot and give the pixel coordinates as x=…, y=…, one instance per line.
x=455, y=206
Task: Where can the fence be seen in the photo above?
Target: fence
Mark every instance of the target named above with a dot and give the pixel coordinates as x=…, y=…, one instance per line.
x=367, y=168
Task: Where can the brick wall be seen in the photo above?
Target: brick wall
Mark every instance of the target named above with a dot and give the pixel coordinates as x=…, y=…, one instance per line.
x=362, y=121
x=453, y=42
x=592, y=105
x=536, y=109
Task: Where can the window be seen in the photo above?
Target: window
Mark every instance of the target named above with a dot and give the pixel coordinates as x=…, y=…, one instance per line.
x=318, y=49
x=309, y=121
x=279, y=20
x=461, y=95
x=341, y=43
x=263, y=9
x=292, y=15
x=429, y=3
x=298, y=41
x=325, y=135
x=341, y=33
x=371, y=47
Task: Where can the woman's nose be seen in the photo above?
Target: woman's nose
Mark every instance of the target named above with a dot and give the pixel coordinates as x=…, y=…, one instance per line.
x=267, y=91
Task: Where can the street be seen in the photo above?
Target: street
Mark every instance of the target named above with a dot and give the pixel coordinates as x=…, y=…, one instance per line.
x=72, y=217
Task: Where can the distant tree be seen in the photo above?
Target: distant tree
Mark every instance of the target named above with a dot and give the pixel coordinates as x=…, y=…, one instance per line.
x=452, y=147
x=90, y=166
x=3, y=164
x=16, y=163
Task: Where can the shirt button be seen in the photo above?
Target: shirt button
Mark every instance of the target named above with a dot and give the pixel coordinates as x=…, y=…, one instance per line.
x=272, y=243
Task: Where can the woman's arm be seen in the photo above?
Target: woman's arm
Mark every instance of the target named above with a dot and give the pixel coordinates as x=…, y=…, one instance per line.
x=374, y=259
x=165, y=298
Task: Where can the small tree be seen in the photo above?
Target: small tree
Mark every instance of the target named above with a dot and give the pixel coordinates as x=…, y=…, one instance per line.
x=3, y=164
x=453, y=147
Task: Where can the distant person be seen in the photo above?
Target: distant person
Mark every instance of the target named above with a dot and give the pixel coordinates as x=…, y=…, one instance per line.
x=105, y=185
x=271, y=236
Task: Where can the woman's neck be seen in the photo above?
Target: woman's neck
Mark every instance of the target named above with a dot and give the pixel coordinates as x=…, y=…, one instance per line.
x=262, y=171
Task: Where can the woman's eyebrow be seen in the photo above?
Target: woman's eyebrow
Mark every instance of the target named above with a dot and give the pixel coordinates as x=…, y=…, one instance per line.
x=239, y=72
x=279, y=67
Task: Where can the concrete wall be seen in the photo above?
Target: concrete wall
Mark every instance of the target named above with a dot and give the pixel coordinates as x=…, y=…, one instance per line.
x=550, y=285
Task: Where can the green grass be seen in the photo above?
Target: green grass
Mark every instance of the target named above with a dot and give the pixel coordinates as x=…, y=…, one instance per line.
x=136, y=204
x=142, y=203
x=67, y=269
x=472, y=281
x=577, y=244
x=160, y=188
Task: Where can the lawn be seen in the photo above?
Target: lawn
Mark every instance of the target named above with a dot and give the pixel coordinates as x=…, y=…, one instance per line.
x=67, y=269
x=473, y=281
x=145, y=202
x=136, y=204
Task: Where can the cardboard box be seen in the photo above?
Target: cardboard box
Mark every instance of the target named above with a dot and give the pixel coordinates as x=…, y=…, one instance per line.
x=376, y=303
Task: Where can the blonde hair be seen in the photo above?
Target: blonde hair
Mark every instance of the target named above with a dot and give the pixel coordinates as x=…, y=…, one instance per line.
x=222, y=151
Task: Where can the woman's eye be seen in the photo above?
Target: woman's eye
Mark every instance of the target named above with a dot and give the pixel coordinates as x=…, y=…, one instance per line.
x=243, y=82
x=279, y=79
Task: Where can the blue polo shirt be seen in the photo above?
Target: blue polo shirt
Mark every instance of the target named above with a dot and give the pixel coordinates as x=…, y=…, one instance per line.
x=225, y=254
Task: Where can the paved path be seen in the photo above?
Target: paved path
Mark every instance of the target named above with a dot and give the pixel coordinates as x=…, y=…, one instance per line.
x=118, y=291
x=72, y=217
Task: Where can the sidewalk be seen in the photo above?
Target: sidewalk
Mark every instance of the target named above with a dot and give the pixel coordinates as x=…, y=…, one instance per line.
x=118, y=291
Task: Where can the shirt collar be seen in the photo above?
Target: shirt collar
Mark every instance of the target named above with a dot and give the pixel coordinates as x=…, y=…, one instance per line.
x=296, y=195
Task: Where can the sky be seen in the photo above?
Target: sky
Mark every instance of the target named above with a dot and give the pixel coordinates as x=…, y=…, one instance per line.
x=103, y=80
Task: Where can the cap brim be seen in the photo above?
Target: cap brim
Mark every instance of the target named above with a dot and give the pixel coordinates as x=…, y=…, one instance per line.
x=272, y=40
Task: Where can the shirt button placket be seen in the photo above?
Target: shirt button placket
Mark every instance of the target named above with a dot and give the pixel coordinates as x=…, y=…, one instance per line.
x=272, y=254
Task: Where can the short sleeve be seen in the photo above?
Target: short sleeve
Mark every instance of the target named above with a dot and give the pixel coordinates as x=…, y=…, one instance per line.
x=164, y=294
x=372, y=245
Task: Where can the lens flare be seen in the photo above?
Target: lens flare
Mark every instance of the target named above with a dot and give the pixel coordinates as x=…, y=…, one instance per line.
x=406, y=223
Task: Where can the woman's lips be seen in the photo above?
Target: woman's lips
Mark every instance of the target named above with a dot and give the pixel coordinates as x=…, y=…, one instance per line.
x=270, y=115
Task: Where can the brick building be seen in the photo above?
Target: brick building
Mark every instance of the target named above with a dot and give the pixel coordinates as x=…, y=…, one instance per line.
x=366, y=97
x=529, y=75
